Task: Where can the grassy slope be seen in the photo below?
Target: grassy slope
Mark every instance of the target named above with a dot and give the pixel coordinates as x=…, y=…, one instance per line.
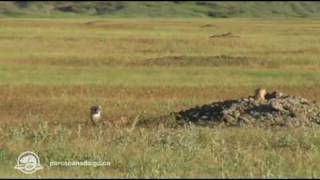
x=53, y=70
x=160, y=9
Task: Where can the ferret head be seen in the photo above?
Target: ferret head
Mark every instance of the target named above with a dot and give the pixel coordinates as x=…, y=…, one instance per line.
x=95, y=109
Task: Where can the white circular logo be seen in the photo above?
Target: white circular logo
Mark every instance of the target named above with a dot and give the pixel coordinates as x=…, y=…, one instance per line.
x=28, y=162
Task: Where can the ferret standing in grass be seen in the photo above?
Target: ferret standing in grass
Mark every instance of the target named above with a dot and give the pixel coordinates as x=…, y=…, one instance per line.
x=95, y=114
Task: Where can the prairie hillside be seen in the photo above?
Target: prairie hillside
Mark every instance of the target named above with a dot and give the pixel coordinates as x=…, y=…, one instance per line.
x=52, y=70
x=180, y=9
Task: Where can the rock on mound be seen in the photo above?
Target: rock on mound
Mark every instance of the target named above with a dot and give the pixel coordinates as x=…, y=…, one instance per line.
x=274, y=109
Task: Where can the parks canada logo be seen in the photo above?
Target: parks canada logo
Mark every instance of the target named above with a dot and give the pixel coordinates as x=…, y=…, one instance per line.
x=28, y=162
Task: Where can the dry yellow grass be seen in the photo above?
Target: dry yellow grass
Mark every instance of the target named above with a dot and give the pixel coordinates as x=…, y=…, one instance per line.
x=52, y=71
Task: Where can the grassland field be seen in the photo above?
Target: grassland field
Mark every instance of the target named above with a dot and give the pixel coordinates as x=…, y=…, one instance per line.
x=53, y=70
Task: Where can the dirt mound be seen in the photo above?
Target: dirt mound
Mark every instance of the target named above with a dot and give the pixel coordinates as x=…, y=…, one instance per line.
x=201, y=60
x=276, y=109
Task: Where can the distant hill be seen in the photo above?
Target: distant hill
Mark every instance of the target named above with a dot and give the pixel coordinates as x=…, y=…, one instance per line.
x=159, y=9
